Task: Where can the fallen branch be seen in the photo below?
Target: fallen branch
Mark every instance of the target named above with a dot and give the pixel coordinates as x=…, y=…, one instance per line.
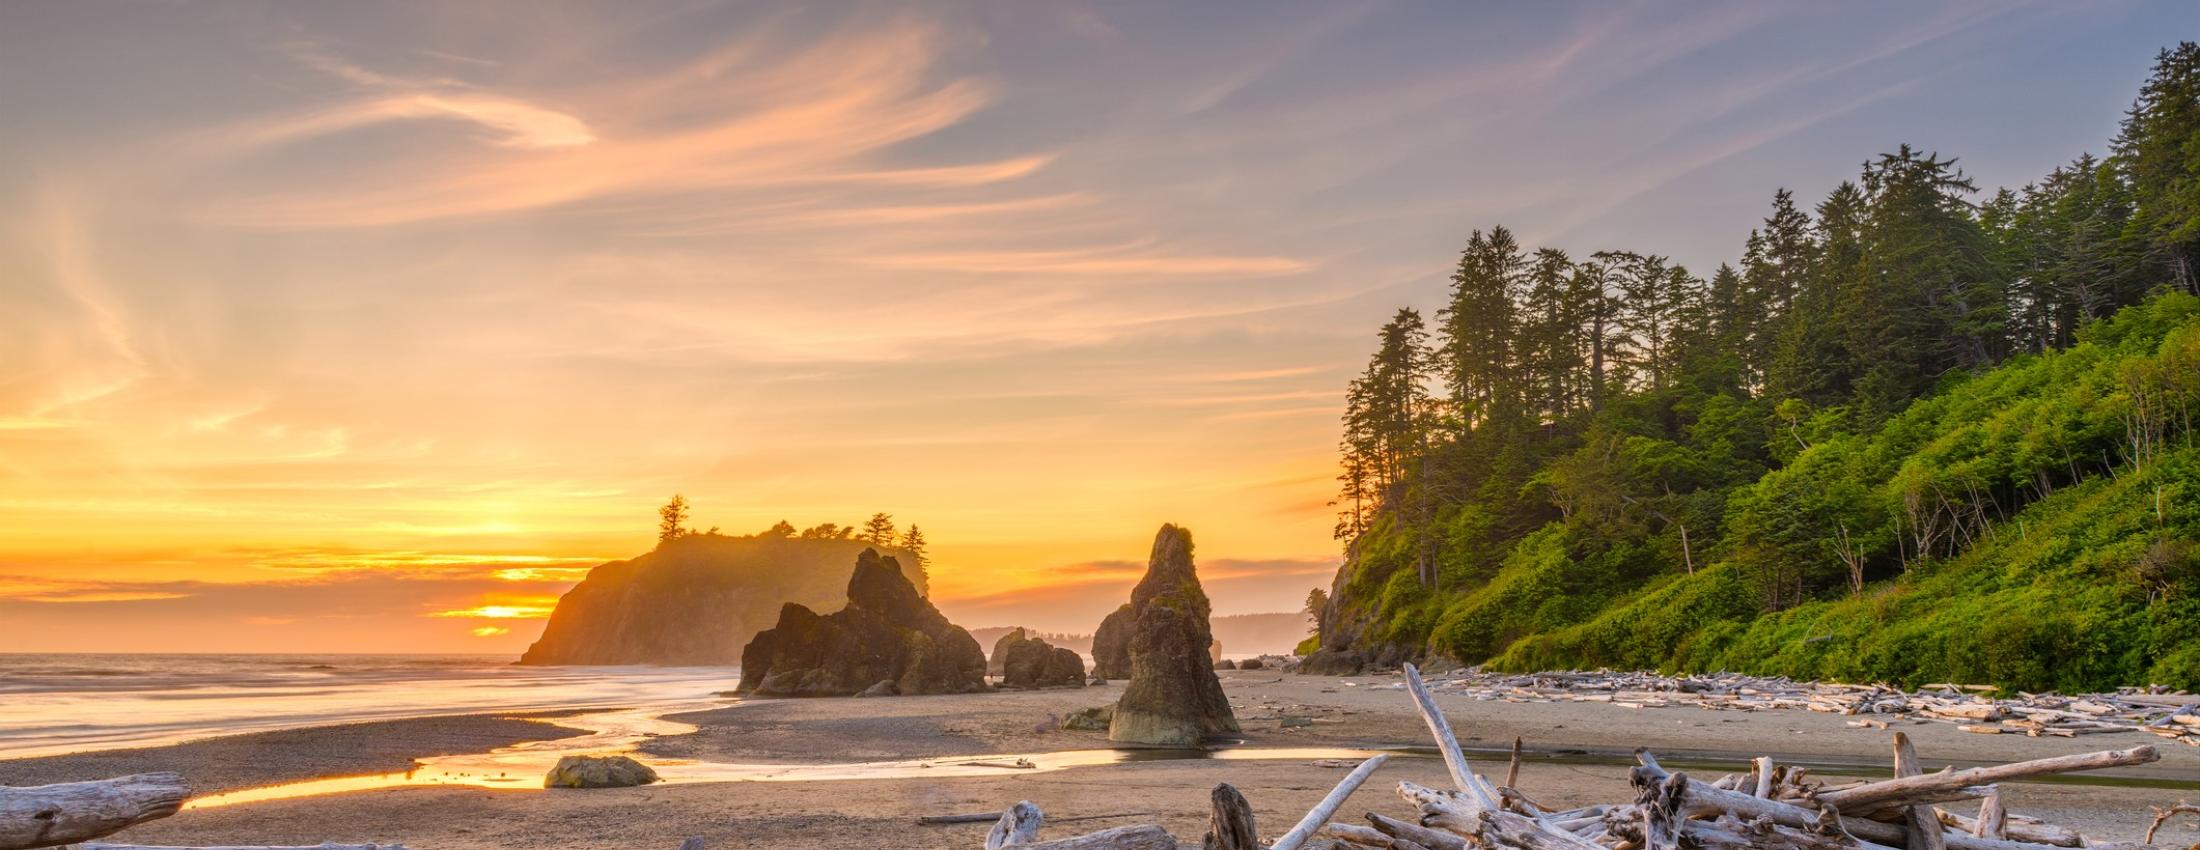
x=1938, y=786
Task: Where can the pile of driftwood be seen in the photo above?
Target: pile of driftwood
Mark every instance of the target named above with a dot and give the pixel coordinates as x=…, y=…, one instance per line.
x=2172, y=715
x=1769, y=808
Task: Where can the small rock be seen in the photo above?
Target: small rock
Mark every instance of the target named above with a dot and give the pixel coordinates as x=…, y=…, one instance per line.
x=1250, y=664
x=1094, y=719
x=1297, y=722
x=598, y=772
x=884, y=688
x=1226, y=664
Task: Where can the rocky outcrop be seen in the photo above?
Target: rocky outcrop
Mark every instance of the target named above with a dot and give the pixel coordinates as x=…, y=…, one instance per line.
x=1111, y=645
x=1173, y=697
x=1000, y=650
x=887, y=633
x=1034, y=663
x=695, y=600
x=598, y=772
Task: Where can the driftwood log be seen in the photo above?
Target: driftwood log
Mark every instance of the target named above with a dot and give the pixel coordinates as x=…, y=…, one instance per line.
x=73, y=812
x=1140, y=837
x=1958, y=784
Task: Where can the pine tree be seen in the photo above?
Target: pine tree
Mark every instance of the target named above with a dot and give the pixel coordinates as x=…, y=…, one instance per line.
x=1477, y=329
x=913, y=541
x=879, y=530
x=672, y=519
x=2158, y=153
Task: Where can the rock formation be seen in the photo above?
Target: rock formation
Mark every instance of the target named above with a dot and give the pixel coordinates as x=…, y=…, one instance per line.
x=1000, y=650
x=1173, y=697
x=888, y=633
x=598, y=772
x=1033, y=663
x=1111, y=645
x=696, y=599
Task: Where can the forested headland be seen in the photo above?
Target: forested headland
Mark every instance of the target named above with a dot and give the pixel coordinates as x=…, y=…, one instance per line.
x=1918, y=432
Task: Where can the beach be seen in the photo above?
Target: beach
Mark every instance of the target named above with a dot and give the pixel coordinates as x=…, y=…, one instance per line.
x=792, y=773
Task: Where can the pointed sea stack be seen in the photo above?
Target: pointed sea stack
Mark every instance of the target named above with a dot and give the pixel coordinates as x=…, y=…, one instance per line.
x=888, y=635
x=1173, y=698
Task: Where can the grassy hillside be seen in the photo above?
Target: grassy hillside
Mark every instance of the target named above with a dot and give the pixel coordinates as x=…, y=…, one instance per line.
x=2031, y=526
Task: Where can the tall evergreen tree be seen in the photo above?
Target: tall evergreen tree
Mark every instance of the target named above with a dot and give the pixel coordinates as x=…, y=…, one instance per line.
x=1478, y=328
x=2158, y=153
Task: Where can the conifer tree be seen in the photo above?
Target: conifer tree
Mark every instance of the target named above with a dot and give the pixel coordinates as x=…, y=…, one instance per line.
x=672, y=519
x=879, y=530
x=913, y=541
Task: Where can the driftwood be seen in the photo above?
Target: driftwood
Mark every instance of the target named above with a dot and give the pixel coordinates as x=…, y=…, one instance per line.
x=1922, y=823
x=1455, y=760
x=2162, y=814
x=54, y=815
x=1322, y=811
x=690, y=844
x=1770, y=807
x=1140, y=837
x=1231, y=826
x=1364, y=836
x=1955, y=785
x=1018, y=825
x=989, y=817
x=2175, y=716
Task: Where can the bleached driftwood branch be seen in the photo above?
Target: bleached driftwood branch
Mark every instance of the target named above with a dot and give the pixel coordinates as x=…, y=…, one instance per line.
x=72, y=812
x=1956, y=784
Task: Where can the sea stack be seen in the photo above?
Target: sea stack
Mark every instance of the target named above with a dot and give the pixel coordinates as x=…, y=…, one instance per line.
x=1029, y=662
x=888, y=640
x=1173, y=698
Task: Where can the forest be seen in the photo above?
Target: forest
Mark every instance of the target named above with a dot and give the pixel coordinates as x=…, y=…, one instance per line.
x=1916, y=433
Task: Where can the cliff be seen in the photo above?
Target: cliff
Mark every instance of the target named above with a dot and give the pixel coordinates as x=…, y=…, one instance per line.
x=696, y=600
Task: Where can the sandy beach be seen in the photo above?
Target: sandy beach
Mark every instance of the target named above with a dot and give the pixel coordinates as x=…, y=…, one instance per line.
x=1578, y=753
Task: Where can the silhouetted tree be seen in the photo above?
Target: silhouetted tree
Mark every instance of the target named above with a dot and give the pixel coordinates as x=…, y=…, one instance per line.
x=913, y=541
x=879, y=530
x=672, y=519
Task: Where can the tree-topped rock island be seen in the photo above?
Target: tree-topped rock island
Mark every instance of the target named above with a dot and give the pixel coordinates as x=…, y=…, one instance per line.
x=700, y=596
x=888, y=640
x=1173, y=698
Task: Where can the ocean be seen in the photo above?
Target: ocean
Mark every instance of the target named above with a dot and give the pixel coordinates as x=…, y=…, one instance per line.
x=52, y=704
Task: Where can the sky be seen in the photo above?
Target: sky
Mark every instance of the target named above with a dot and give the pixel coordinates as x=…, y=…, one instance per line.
x=369, y=326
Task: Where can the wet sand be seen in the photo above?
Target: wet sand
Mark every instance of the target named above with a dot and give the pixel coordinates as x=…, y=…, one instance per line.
x=1353, y=713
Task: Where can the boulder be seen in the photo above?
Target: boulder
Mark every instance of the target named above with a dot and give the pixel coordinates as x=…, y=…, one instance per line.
x=1226, y=664
x=887, y=633
x=598, y=772
x=1173, y=697
x=884, y=688
x=1250, y=664
x=1334, y=662
x=1000, y=650
x=1034, y=663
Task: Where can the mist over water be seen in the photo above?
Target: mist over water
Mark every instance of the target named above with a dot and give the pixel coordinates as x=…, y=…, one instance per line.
x=66, y=703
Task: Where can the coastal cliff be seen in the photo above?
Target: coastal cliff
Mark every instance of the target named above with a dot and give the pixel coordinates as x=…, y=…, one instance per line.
x=698, y=599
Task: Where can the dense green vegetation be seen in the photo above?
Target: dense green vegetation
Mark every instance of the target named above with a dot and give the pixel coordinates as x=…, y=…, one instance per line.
x=1912, y=435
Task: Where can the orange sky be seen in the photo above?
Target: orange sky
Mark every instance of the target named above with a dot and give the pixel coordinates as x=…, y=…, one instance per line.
x=361, y=326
